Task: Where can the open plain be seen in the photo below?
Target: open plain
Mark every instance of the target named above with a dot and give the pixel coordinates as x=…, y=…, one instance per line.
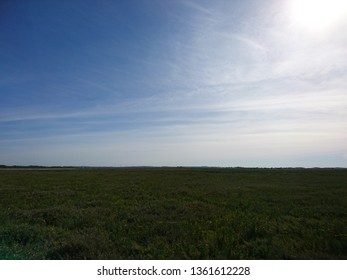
x=173, y=213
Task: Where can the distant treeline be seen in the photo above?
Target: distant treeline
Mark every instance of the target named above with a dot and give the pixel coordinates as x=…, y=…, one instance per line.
x=158, y=167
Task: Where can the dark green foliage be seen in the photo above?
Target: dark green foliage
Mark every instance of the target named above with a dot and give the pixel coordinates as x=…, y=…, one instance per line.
x=173, y=213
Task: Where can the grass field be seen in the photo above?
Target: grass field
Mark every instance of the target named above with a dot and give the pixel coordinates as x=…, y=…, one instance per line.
x=173, y=213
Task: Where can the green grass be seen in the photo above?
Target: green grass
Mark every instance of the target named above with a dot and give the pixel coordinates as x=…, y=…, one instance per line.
x=173, y=213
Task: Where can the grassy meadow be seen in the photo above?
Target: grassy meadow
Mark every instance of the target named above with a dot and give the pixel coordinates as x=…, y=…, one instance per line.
x=173, y=213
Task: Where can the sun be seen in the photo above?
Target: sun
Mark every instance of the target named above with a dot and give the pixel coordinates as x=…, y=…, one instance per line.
x=318, y=14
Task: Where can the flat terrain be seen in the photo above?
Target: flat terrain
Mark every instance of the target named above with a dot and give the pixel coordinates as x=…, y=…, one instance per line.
x=173, y=213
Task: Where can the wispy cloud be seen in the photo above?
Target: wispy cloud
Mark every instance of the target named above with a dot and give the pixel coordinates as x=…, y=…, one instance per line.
x=218, y=85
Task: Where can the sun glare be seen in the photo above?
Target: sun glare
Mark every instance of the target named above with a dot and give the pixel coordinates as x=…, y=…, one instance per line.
x=318, y=14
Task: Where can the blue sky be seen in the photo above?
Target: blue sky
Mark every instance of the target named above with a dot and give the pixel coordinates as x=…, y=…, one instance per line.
x=153, y=82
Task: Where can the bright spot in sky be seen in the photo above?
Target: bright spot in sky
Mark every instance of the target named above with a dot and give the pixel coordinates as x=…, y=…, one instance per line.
x=318, y=14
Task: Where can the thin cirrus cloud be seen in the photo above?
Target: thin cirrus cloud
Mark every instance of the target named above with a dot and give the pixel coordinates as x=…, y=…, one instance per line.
x=183, y=83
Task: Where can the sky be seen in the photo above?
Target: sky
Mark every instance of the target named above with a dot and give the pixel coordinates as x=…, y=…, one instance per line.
x=259, y=83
